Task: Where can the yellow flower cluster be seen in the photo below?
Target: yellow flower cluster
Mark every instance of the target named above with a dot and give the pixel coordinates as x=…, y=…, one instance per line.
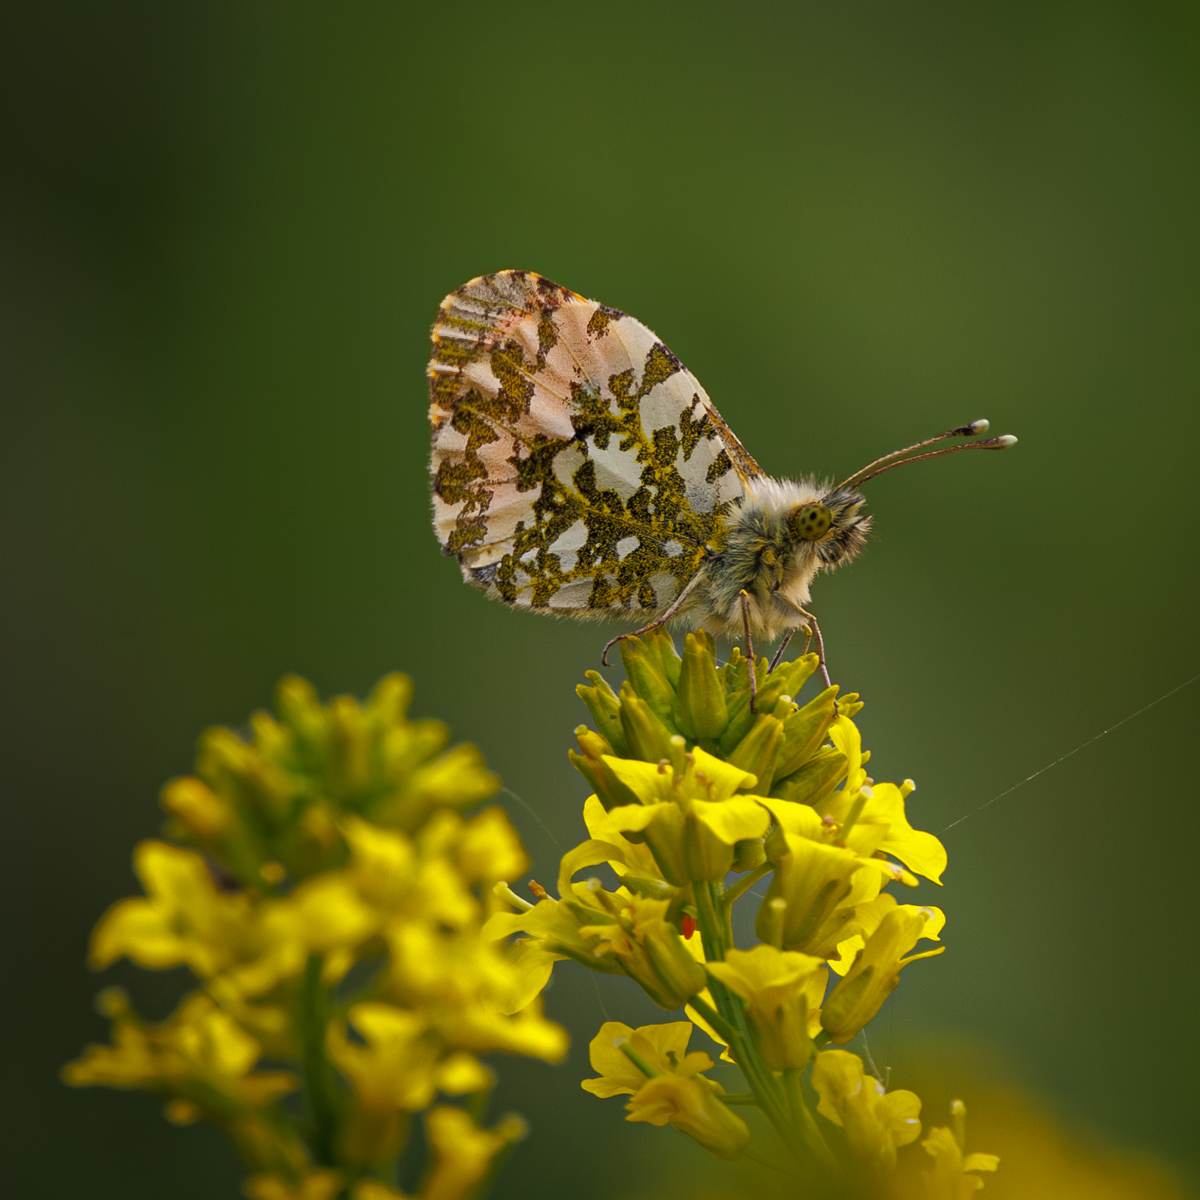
x=331, y=900
x=699, y=778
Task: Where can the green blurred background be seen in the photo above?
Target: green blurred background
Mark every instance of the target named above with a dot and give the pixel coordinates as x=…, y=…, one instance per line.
x=227, y=227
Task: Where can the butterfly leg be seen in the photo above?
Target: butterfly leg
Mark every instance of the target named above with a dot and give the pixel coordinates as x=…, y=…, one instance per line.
x=814, y=628
x=787, y=637
x=820, y=646
x=744, y=598
x=675, y=606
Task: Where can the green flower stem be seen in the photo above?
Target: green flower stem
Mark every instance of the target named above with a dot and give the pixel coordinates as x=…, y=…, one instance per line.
x=758, y=1076
x=804, y=1123
x=747, y=1098
x=716, y=931
x=320, y=1083
x=746, y=882
x=714, y=1018
x=712, y=928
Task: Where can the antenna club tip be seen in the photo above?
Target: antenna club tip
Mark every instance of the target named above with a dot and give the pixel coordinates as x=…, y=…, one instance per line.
x=1006, y=440
x=980, y=426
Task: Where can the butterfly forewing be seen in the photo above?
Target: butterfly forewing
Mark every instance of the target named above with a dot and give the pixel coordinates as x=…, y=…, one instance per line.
x=577, y=465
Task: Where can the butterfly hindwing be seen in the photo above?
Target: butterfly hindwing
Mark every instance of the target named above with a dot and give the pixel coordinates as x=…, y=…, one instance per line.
x=578, y=467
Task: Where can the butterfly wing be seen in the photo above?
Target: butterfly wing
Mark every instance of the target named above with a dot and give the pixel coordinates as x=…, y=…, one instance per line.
x=578, y=467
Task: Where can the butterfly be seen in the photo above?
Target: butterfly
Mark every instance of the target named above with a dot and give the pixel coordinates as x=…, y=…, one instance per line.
x=579, y=469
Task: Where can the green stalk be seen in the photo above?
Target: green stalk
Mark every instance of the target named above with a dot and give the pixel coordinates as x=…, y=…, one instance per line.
x=804, y=1123
x=712, y=928
x=716, y=930
x=746, y=882
x=320, y=1083
x=714, y=1018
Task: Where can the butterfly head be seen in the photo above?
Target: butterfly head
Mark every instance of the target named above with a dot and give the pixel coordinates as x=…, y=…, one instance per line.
x=829, y=529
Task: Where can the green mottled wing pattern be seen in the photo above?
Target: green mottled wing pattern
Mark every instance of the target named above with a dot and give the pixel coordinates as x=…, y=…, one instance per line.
x=578, y=467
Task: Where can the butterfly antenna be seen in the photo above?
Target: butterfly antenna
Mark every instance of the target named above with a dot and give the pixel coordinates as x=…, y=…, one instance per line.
x=996, y=443
x=869, y=471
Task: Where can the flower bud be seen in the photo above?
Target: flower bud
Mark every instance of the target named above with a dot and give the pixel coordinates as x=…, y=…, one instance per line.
x=748, y=854
x=700, y=709
x=815, y=779
x=786, y=680
x=662, y=645
x=735, y=677
x=805, y=730
x=644, y=674
x=234, y=768
x=647, y=737
x=757, y=752
x=591, y=765
x=605, y=708
x=201, y=811
x=661, y=828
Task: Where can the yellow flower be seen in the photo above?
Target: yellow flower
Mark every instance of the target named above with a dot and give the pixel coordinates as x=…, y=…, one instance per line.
x=199, y=1053
x=485, y=848
x=881, y=824
x=691, y=1105
x=464, y=1153
x=949, y=1178
x=663, y=1048
x=629, y=857
x=647, y=946
x=675, y=1092
x=876, y=969
x=464, y=983
x=555, y=928
x=819, y=886
x=609, y=931
x=241, y=943
x=876, y=1121
x=397, y=1068
x=783, y=992
x=688, y=815
x=394, y=1066
x=277, y=797
x=869, y=915
x=331, y=834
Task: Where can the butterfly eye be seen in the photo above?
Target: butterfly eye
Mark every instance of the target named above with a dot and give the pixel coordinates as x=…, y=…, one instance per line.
x=810, y=522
